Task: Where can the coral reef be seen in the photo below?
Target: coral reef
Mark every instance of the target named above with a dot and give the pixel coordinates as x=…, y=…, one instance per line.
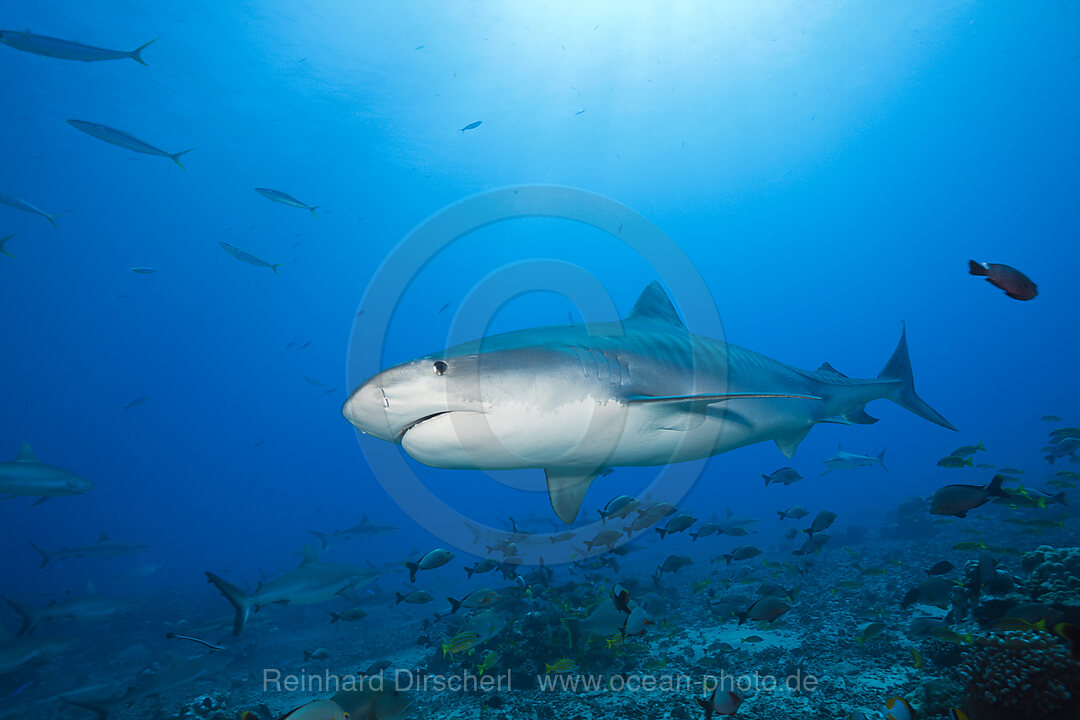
x=1016, y=675
x=1054, y=575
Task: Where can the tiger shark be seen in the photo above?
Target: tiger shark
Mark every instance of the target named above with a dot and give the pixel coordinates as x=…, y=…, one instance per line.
x=575, y=400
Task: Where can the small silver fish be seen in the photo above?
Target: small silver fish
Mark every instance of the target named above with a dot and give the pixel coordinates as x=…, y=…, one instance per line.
x=244, y=256
x=286, y=199
x=125, y=140
x=20, y=204
x=66, y=49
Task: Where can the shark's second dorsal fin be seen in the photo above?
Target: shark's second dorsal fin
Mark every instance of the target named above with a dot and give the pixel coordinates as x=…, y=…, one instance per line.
x=103, y=537
x=26, y=454
x=566, y=489
x=827, y=369
x=654, y=304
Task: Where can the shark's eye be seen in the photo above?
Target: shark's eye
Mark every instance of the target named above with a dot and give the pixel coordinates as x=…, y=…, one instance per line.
x=440, y=367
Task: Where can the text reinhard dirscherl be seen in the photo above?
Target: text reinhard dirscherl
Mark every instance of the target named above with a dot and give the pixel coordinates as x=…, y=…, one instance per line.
x=402, y=680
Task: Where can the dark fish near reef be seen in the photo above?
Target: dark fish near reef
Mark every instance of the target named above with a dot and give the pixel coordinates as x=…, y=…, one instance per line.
x=1016, y=284
x=959, y=499
x=784, y=476
x=822, y=521
x=675, y=563
x=767, y=609
x=794, y=512
x=941, y=568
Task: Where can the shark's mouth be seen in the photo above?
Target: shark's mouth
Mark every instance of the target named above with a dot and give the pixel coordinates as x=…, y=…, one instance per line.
x=424, y=419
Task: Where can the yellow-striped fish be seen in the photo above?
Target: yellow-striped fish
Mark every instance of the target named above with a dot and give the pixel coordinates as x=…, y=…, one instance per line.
x=460, y=643
x=563, y=665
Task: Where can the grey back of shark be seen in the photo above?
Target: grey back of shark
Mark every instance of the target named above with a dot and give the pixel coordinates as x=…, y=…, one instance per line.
x=26, y=476
x=312, y=582
x=576, y=399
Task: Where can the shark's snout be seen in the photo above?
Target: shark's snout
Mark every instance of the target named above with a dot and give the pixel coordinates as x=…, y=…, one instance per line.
x=367, y=409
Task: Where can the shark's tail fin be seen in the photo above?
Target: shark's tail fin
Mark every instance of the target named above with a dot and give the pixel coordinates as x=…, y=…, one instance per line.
x=97, y=707
x=26, y=613
x=46, y=556
x=323, y=538
x=898, y=369
x=240, y=600
x=881, y=460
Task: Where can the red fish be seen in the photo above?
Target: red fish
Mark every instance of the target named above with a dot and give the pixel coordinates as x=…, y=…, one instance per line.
x=1016, y=284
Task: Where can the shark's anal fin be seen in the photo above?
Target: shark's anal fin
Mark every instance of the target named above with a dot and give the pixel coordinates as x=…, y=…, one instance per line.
x=789, y=443
x=566, y=489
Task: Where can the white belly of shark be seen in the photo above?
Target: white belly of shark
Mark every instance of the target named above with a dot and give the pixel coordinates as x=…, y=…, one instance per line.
x=576, y=400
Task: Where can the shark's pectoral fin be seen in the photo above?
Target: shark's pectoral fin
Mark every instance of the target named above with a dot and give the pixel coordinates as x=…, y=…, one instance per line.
x=566, y=489
x=789, y=443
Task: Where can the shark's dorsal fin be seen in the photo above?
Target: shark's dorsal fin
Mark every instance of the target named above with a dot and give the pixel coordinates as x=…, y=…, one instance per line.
x=566, y=489
x=310, y=555
x=789, y=443
x=103, y=537
x=26, y=454
x=90, y=590
x=654, y=304
x=827, y=369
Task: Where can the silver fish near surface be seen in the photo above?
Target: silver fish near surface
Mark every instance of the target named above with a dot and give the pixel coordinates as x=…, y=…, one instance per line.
x=123, y=139
x=67, y=49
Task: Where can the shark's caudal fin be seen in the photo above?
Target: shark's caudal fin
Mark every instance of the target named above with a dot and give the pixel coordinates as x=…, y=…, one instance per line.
x=3, y=249
x=240, y=600
x=881, y=460
x=899, y=369
x=46, y=556
x=323, y=538
x=27, y=614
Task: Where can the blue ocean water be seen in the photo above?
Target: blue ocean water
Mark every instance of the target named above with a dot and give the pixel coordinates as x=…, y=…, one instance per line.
x=828, y=169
